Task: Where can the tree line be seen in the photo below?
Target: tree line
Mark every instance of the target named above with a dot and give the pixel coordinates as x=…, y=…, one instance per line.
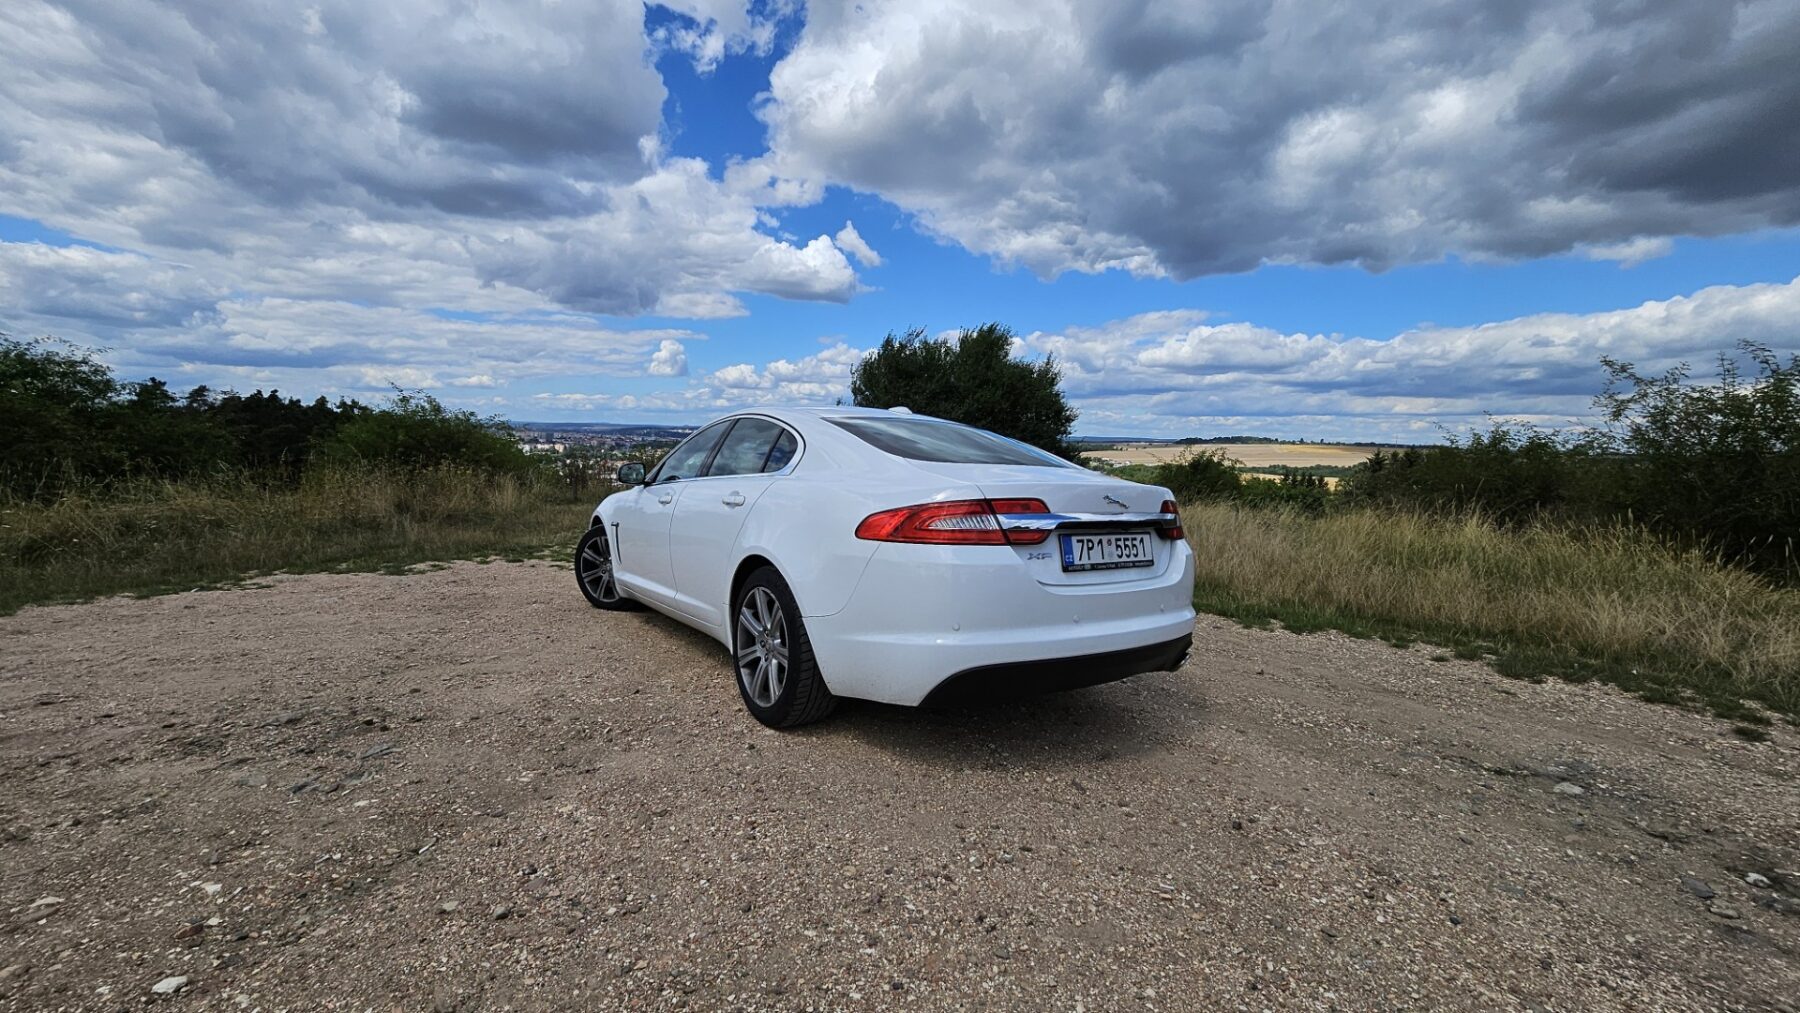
x=71, y=423
x=1710, y=465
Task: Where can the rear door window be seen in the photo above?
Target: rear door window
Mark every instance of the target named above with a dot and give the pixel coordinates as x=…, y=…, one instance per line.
x=782, y=452
x=944, y=442
x=747, y=448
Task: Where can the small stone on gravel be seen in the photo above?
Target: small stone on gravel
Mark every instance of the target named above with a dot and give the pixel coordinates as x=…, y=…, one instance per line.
x=170, y=985
x=1570, y=789
x=1697, y=887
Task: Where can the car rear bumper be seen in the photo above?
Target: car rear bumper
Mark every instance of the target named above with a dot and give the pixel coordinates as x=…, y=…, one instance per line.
x=973, y=620
x=1025, y=678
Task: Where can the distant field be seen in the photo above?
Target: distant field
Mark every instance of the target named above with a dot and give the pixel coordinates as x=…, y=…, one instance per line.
x=1254, y=455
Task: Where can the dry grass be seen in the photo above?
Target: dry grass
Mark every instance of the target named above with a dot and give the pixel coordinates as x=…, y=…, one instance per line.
x=1614, y=605
x=162, y=536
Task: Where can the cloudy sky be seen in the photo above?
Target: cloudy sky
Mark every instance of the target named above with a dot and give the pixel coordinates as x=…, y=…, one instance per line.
x=1289, y=217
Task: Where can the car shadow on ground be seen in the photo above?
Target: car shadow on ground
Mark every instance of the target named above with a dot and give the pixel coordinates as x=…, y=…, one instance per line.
x=1056, y=730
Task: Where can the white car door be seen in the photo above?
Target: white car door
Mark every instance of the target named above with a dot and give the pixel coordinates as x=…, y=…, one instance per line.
x=641, y=524
x=711, y=512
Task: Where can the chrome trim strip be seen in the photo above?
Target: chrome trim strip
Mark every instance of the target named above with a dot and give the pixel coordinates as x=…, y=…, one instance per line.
x=1050, y=522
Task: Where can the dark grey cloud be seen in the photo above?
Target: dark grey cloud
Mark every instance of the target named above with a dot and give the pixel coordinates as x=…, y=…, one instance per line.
x=1165, y=137
x=496, y=109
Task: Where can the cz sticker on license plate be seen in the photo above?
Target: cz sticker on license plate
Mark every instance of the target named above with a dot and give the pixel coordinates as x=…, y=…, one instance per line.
x=1105, y=551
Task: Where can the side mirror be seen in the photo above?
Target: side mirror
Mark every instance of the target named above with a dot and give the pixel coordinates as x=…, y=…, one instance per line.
x=631, y=474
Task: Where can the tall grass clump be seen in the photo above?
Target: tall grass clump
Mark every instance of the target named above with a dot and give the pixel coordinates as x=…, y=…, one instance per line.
x=152, y=535
x=1615, y=604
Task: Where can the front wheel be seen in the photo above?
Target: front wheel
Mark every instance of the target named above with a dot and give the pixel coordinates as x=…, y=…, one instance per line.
x=776, y=673
x=594, y=571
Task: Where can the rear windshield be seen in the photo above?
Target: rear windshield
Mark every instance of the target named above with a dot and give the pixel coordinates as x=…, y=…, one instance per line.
x=946, y=442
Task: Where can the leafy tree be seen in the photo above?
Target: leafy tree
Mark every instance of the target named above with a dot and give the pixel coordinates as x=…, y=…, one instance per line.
x=973, y=380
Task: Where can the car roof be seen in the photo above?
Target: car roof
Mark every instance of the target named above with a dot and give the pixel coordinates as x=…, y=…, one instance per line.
x=791, y=412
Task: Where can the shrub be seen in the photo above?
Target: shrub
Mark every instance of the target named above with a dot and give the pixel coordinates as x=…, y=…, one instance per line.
x=1711, y=465
x=1200, y=476
x=1512, y=474
x=1717, y=461
x=416, y=432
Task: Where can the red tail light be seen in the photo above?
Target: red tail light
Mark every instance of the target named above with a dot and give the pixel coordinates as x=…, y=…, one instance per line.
x=1022, y=506
x=1172, y=532
x=955, y=522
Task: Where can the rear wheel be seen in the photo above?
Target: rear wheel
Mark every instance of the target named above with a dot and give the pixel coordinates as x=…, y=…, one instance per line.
x=594, y=571
x=776, y=673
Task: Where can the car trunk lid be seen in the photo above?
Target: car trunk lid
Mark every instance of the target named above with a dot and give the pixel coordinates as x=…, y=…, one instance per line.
x=1085, y=503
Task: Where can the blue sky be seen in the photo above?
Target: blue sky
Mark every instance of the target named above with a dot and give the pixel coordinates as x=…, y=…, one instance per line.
x=1282, y=219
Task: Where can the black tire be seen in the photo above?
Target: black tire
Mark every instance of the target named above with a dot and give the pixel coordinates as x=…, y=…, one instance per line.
x=594, y=573
x=801, y=696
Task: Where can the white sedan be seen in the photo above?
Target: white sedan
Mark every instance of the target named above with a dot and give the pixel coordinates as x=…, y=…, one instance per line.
x=881, y=555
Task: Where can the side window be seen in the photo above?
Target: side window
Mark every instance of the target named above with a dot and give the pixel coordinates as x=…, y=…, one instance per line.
x=782, y=452
x=686, y=460
x=748, y=446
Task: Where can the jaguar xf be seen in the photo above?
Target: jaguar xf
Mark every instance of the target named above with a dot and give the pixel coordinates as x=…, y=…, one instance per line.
x=882, y=555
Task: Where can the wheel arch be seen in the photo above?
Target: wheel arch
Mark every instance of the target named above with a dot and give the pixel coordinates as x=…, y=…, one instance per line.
x=746, y=566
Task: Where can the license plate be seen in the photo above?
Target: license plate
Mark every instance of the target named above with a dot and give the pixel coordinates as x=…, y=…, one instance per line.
x=1105, y=552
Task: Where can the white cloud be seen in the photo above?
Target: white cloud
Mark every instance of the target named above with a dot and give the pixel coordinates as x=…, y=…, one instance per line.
x=1631, y=252
x=156, y=317
x=852, y=242
x=817, y=379
x=670, y=359
x=1173, y=372
x=718, y=27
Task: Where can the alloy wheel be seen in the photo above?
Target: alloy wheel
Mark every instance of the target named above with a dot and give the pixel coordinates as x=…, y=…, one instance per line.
x=762, y=647
x=593, y=565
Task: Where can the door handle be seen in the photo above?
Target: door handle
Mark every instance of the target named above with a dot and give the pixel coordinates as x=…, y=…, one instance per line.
x=736, y=499
x=666, y=498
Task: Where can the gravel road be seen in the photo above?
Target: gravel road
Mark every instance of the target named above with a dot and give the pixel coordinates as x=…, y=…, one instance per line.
x=465, y=789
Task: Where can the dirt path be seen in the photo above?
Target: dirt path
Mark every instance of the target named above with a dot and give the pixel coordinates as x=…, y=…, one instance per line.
x=466, y=788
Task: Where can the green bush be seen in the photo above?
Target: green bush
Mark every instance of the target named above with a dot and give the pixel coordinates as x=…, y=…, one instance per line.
x=1200, y=476
x=1711, y=465
x=415, y=431
x=1297, y=491
x=1510, y=474
x=1719, y=462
